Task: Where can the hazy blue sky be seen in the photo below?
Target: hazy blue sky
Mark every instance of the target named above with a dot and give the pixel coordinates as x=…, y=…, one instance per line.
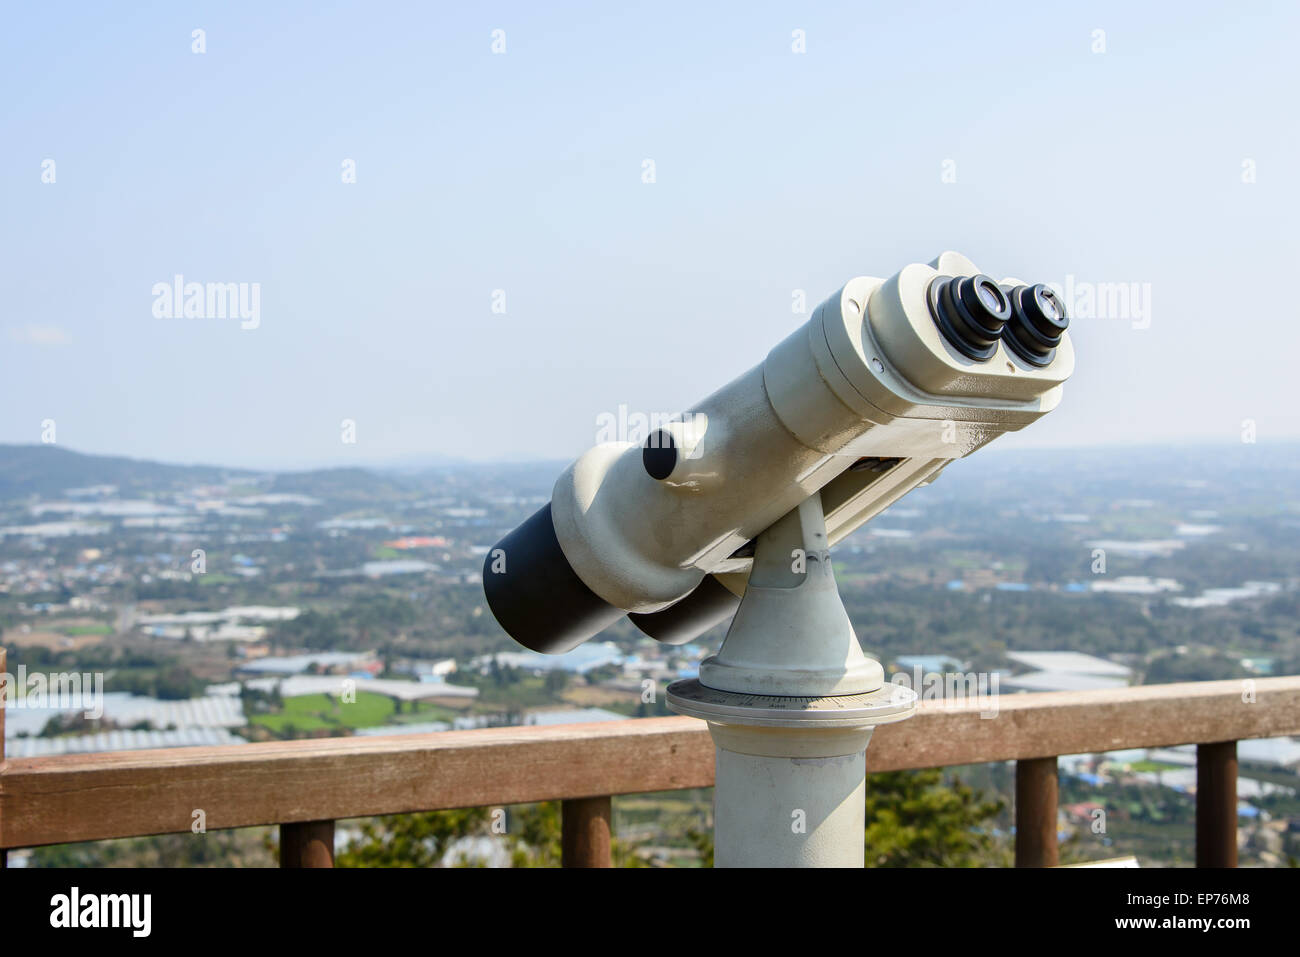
x=522, y=171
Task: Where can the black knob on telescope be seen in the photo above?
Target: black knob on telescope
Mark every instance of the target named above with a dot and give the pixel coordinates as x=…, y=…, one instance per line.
x=1038, y=321
x=659, y=454
x=536, y=595
x=970, y=311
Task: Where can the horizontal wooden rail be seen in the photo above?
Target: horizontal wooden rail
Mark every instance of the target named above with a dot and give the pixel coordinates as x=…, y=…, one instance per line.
x=127, y=793
x=124, y=793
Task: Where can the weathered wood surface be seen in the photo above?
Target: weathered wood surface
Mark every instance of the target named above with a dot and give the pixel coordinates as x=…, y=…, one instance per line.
x=1216, y=804
x=1046, y=724
x=1036, y=807
x=584, y=832
x=307, y=844
x=4, y=856
x=87, y=797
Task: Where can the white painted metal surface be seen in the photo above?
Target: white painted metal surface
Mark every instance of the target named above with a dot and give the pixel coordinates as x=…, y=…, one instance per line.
x=791, y=702
x=869, y=374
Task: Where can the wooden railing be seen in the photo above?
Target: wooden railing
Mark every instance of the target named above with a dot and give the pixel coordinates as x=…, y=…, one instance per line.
x=304, y=786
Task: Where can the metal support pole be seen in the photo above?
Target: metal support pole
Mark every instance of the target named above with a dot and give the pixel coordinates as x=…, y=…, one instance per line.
x=778, y=810
x=791, y=702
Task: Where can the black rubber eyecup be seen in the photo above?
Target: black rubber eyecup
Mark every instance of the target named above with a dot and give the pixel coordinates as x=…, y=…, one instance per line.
x=1038, y=321
x=970, y=312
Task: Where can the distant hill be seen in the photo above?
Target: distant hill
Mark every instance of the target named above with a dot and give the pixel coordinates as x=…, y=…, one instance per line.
x=48, y=470
x=342, y=483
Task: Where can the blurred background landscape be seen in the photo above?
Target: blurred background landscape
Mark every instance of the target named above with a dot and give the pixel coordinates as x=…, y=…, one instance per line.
x=228, y=605
x=473, y=230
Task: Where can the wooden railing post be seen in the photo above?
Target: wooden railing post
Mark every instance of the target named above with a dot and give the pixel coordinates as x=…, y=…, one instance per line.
x=584, y=832
x=1036, y=796
x=307, y=844
x=1216, y=804
x=4, y=853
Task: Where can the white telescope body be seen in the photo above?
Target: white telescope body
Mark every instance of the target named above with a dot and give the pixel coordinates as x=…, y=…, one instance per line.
x=887, y=382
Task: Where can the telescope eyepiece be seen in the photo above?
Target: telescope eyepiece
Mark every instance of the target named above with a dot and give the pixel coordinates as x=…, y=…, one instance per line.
x=663, y=529
x=1038, y=320
x=971, y=312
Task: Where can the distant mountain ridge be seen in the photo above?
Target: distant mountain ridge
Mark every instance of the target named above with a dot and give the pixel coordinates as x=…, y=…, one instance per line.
x=50, y=470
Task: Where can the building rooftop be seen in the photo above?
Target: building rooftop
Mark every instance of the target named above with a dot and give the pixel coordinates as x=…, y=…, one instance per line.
x=120, y=741
x=423, y=727
x=573, y=716
x=1060, y=681
x=297, y=685
x=580, y=660
x=297, y=664
x=1071, y=662
x=124, y=708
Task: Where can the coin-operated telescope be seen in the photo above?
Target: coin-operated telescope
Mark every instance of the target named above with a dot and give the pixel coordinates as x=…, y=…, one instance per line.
x=729, y=511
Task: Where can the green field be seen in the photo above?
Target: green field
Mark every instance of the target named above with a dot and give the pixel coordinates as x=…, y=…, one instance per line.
x=315, y=711
x=1152, y=766
x=75, y=630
